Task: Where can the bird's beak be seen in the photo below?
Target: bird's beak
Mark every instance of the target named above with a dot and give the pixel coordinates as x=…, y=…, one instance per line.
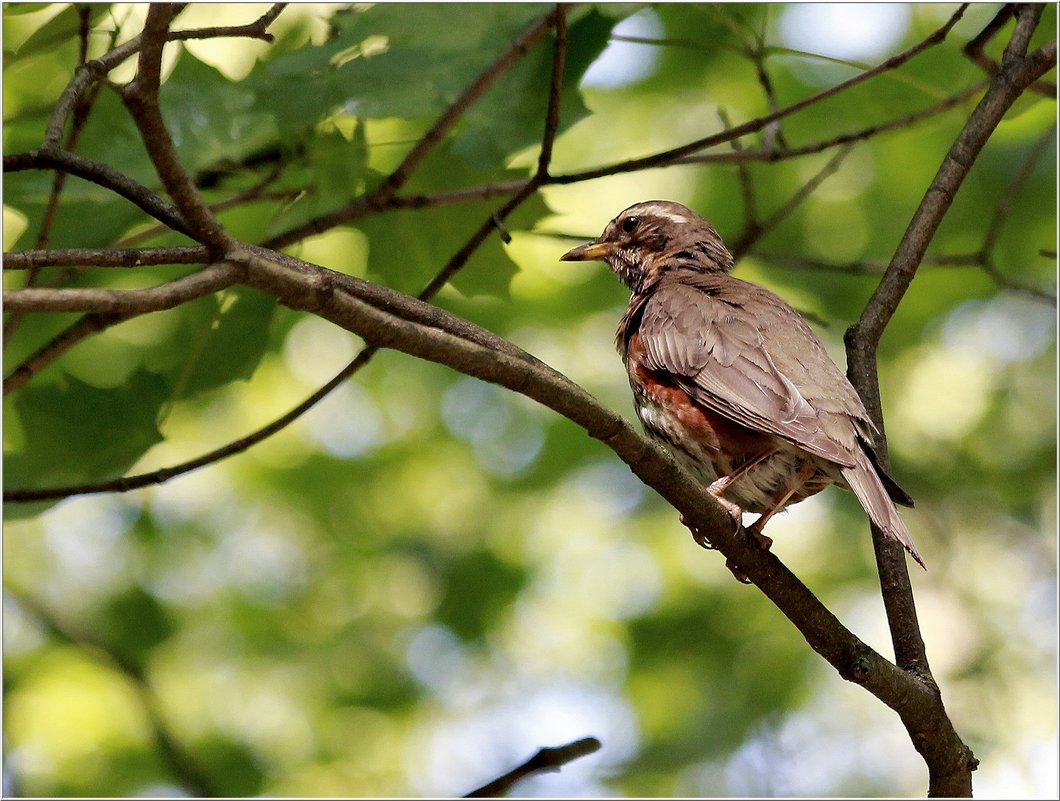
x=590, y=251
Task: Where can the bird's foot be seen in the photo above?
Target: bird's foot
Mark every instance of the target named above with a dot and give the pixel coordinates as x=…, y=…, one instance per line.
x=701, y=539
x=764, y=542
x=717, y=489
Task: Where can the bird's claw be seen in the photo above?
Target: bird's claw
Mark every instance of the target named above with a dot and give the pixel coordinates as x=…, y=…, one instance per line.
x=700, y=538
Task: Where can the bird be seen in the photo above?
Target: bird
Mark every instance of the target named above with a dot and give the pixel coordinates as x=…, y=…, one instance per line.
x=732, y=380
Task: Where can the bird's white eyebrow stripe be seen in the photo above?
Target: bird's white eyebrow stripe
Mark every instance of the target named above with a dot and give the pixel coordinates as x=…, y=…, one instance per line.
x=660, y=211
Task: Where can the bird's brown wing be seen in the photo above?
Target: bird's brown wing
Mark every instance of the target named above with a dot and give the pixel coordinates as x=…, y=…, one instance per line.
x=709, y=339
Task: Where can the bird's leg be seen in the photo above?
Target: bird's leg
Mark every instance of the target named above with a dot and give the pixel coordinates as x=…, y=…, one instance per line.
x=722, y=484
x=806, y=472
x=718, y=487
x=717, y=490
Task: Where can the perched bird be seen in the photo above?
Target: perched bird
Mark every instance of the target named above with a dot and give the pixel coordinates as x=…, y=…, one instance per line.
x=731, y=378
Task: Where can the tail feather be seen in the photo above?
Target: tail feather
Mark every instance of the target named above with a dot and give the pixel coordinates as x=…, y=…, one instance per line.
x=866, y=483
x=898, y=495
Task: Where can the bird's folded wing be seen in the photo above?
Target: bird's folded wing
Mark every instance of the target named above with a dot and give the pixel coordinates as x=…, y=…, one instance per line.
x=719, y=357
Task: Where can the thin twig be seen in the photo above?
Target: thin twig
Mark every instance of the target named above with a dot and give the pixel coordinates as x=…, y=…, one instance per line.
x=1012, y=192
x=103, y=175
x=97, y=69
x=86, y=326
x=81, y=113
x=747, y=189
x=757, y=124
x=549, y=759
x=125, y=301
x=258, y=29
x=754, y=233
x=458, y=260
x=141, y=98
x=555, y=91
x=837, y=141
x=975, y=49
x=93, y=323
x=956, y=260
x=249, y=195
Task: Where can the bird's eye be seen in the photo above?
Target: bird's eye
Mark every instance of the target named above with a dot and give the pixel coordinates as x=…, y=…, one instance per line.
x=630, y=223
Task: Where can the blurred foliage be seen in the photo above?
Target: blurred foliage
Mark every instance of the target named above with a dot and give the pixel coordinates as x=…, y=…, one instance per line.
x=426, y=578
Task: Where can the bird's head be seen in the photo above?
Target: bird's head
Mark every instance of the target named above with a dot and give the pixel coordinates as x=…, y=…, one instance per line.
x=652, y=236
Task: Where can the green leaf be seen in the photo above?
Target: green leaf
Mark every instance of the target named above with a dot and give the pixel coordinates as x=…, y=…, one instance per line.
x=223, y=340
x=74, y=432
x=64, y=26
x=231, y=764
x=132, y=623
x=408, y=248
x=479, y=588
x=495, y=126
x=433, y=52
x=211, y=118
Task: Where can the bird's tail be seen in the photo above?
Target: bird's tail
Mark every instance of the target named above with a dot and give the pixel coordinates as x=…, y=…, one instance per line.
x=867, y=485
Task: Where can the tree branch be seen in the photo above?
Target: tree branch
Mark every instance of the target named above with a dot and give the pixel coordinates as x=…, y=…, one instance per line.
x=141, y=98
x=755, y=232
x=546, y=759
x=975, y=49
x=92, y=323
x=752, y=126
x=387, y=319
x=104, y=257
x=53, y=159
x=125, y=301
x=85, y=327
x=780, y=154
x=1012, y=191
x=948, y=759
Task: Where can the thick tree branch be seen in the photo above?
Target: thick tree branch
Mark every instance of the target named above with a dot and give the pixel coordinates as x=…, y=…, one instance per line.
x=386, y=319
x=105, y=257
x=949, y=761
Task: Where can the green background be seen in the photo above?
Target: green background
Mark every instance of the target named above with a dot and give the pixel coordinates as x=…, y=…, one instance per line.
x=426, y=578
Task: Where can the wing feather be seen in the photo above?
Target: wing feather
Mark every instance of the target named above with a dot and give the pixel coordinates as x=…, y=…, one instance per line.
x=722, y=360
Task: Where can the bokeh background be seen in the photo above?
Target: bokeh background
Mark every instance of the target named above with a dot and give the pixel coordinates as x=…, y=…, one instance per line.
x=426, y=578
